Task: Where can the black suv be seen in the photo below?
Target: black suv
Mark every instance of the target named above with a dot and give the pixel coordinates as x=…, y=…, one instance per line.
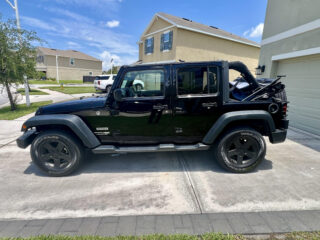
x=182, y=107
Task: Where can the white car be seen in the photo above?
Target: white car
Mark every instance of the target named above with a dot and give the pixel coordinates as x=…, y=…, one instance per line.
x=104, y=83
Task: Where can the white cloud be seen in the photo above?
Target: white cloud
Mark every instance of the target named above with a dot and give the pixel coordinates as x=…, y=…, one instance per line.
x=73, y=44
x=113, y=23
x=255, y=32
x=106, y=57
x=34, y=22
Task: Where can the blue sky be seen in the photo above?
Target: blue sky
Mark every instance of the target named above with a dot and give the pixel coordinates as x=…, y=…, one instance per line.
x=110, y=28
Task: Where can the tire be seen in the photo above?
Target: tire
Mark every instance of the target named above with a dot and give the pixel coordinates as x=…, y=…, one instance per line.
x=240, y=150
x=57, y=153
x=108, y=88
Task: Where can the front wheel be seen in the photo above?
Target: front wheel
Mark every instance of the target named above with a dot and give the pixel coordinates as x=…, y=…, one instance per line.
x=56, y=153
x=240, y=150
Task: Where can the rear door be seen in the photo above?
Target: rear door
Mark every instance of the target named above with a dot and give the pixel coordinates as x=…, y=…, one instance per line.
x=196, y=101
x=144, y=115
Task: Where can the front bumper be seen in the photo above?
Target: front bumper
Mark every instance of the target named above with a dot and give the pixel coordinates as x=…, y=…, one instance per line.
x=26, y=139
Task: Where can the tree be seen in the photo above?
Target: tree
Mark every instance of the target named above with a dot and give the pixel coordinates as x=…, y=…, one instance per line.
x=115, y=70
x=17, y=56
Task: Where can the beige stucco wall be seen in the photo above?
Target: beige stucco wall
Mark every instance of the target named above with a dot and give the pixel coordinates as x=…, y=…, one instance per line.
x=157, y=55
x=68, y=72
x=299, y=42
x=192, y=46
x=282, y=15
x=158, y=24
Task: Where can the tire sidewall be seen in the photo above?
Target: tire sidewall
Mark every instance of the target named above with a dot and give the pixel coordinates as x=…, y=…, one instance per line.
x=221, y=153
x=68, y=140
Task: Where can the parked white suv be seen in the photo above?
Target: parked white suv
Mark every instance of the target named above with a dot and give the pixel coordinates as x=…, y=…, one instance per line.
x=104, y=83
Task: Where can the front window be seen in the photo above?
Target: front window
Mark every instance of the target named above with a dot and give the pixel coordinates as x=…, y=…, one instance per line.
x=72, y=62
x=143, y=83
x=148, y=48
x=197, y=80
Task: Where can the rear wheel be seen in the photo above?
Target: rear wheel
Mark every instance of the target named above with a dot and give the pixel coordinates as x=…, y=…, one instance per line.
x=240, y=150
x=108, y=88
x=56, y=153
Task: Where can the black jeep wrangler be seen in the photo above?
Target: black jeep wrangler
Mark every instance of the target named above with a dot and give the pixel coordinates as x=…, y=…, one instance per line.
x=181, y=106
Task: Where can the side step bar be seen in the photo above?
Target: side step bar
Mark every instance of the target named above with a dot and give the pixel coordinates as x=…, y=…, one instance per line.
x=155, y=148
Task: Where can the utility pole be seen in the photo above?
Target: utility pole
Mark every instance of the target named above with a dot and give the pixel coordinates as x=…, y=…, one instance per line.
x=26, y=88
x=57, y=68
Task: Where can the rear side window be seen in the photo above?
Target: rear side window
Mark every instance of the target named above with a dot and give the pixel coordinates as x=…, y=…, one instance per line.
x=102, y=77
x=197, y=80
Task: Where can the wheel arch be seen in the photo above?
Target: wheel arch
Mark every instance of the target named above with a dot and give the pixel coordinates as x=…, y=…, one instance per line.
x=259, y=120
x=69, y=122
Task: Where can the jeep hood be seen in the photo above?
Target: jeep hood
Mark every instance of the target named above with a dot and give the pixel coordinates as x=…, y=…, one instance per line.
x=72, y=106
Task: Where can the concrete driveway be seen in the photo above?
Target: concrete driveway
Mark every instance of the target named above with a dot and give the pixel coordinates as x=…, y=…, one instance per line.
x=160, y=183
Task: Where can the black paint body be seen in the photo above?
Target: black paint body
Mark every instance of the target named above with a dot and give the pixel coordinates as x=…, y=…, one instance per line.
x=163, y=119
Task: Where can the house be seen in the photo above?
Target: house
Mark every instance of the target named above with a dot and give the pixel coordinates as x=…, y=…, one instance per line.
x=291, y=46
x=68, y=64
x=171, y=38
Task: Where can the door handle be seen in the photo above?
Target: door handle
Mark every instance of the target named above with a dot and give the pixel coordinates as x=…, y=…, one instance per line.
x=209, y=104
x=160, y=107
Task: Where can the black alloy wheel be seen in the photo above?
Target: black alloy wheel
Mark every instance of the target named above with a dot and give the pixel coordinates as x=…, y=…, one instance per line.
x=57, y=153
x=241, y=150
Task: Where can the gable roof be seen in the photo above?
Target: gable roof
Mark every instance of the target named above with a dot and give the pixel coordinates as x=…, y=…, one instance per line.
x=67, y=53
x=201, y=28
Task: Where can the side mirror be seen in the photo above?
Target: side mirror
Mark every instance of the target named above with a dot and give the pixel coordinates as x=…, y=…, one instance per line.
x=117, y=94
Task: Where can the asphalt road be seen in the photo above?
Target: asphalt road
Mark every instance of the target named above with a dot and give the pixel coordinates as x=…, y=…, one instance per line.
x=160, y=183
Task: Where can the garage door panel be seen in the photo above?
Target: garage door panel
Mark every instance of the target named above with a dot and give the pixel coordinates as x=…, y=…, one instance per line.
x=302, y=87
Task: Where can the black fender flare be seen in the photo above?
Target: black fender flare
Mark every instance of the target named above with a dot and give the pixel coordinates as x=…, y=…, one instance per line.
x=75, y=123
x=229, y=117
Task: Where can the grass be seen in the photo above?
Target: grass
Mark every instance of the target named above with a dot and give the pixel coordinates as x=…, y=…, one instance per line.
x=22, y=109
x=55, y=82
x=209, y=236
x=31, y=92
x=71, y=90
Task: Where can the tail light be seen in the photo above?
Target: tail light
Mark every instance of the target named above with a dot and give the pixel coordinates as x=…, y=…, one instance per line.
x=98, y=82
x=284, y=108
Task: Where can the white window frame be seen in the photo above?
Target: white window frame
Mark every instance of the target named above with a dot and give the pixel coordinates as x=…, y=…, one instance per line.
x=164, y=41
x=149, y=42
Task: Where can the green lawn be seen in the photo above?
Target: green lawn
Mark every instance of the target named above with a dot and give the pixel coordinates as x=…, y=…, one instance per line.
x=22, y=109
x=209, y=236
x=55, y=82
x=32, y=92
x=71, y=90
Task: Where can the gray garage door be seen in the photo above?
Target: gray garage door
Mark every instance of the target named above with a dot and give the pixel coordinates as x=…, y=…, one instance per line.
x=303, y=90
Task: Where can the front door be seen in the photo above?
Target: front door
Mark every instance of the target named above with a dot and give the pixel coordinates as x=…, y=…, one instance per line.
x=144, y=115
x=196, y=101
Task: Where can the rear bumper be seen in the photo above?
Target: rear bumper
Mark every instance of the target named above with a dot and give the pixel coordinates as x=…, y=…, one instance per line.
x=278, y=136
x=26, y=139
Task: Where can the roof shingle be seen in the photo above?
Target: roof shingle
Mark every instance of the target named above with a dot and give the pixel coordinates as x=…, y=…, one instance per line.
x=67, y=53
x=188, y=24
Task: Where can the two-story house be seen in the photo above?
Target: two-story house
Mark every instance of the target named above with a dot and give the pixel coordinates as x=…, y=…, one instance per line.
x=67, y=64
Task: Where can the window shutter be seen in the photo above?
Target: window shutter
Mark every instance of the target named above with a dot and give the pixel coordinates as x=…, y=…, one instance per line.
x=170, y=39
x=152, y=45
x=145, y=47
x=162, y=42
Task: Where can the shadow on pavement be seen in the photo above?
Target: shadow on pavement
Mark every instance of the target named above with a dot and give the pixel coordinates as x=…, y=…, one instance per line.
x=150, y=162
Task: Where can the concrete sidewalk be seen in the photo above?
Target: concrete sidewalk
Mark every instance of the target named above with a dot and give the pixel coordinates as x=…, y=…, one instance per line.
x=252, y=223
